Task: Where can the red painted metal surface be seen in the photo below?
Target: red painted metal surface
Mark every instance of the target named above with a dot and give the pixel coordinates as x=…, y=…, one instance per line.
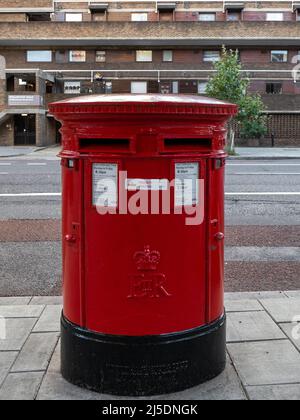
x=142, y=274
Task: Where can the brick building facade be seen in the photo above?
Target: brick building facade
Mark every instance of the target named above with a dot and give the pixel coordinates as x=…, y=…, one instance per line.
x=51, y=50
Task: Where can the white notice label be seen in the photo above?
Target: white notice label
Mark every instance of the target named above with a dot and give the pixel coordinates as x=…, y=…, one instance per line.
x=187, y=184
x=105, y=184
x=135, y=184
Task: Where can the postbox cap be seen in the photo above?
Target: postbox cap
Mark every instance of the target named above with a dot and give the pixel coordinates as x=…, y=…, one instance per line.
x=143, y=104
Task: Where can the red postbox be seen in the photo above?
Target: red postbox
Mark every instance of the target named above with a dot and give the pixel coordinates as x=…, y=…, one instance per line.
x=143, y=249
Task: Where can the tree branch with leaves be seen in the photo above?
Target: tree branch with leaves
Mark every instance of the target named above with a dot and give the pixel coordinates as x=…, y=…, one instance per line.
x=228, y=84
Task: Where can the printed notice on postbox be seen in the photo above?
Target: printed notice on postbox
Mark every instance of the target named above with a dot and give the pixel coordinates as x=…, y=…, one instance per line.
x=186, y=184
x=105, y=184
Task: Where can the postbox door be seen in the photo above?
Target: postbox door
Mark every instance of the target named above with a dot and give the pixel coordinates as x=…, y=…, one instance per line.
x=145, y=273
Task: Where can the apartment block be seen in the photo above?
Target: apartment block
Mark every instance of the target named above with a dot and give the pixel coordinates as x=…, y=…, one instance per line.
x=51, y=50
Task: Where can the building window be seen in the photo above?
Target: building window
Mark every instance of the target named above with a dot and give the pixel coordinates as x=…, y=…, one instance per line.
x=175, y=87
x=167, y=56
x=72, y=88
x=274, y=88
x=233, y=16
x=138, y=87
x=139, y=17
x=202, y=88
x=39, y=56
x=211, y=56
x=207, y=17
x=274, y=17
x=278, y=56
x=100, y=56
x=73, y=17
x=144, y=56
x=77, y=56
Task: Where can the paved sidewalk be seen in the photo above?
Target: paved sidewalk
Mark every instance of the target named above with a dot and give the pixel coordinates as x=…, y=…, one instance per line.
x=263, y=351
x=266, y=153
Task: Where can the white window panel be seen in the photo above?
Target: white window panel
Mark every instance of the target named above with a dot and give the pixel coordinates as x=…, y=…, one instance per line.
x=144, y=56
x=168, y=55
x=279, y=56
x=73, y=17
x=202, y=88
x=275, y=17
x=207, y=17
x=138, y=87
x=72, y=87
x=139, y=17
x=77, y=56
x=175, y=87
x=211, y=56
x=100, y=56
x=44, y=56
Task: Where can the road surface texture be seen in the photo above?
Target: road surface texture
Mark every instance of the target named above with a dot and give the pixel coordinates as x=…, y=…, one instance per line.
x=262, y=225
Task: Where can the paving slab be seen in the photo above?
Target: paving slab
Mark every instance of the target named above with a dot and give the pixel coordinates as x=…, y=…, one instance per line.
x=243, y=305
x=7, y=358
x=18, y=300
x=21, y=386
x=252, y=326
x=21, y=311
x=36, y=353
x=293, y=294
x=282, y=310
x=266, y=362
x=254, y=295
x=46, y=300
x=226, y=386
x=274, y=393
x=50, y=319
x=17, y=332
x=292, y=331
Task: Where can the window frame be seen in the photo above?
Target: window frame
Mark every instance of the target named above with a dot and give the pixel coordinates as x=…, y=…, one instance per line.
x=206, y=60
x=103, y=55
x=171, y=56
x=138, y=82
x=136, y=14
x=77, y=61
x=284, y=53
x=269, y=14
x=207, y=14
x=143, y=60
x=69, y=14
x=39, y=61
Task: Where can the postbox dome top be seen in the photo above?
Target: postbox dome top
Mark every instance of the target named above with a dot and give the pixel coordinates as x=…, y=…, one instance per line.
x=143, y=104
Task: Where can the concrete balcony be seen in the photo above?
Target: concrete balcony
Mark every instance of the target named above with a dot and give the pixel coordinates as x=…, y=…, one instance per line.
x=150, y=34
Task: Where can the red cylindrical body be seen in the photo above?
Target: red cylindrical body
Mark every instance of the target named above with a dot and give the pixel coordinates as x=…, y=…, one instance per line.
x=138, y=272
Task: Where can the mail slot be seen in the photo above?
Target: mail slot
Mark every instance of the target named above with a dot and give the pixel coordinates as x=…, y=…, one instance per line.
x=143, y=241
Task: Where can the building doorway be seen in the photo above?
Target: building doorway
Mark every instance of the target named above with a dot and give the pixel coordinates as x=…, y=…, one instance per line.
x=25, y=129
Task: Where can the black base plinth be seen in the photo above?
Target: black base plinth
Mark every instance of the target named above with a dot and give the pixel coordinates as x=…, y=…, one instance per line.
x=148, y=365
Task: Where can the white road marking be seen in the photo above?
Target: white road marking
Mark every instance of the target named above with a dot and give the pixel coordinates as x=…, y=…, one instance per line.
x=261, y=193
x=5, y=164
x=32, y=195
x=36, y=164
x=263, y=173
x=263, y=164
x=3, y=173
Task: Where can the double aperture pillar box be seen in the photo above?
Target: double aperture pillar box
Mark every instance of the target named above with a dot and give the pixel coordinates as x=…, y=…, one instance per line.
x=143, y=241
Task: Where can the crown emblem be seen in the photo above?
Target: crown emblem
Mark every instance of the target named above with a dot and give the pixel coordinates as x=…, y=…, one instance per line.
x=147, y=260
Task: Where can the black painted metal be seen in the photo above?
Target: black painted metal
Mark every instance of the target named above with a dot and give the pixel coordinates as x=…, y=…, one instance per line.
x=147, y=365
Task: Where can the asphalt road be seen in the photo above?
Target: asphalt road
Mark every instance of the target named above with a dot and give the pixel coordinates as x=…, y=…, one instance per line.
x=257, y=192
x=262, y=218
